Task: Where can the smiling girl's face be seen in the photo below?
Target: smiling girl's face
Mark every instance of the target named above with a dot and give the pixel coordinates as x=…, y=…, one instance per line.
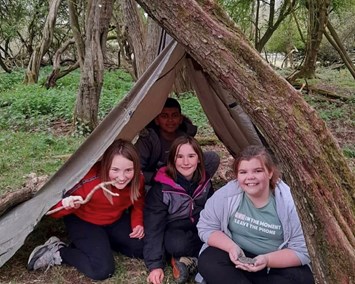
x=254, y=178
x=121, y=170
x=186, y=161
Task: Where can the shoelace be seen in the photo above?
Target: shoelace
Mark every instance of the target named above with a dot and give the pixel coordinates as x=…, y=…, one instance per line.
x=190, y=262
x=55, y=259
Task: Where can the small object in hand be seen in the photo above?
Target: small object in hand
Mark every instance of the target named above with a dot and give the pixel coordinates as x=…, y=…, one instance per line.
x=246, y=260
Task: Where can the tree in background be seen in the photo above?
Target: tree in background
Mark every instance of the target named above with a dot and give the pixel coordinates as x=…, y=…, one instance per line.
x=259, y=19
x=14, y=17
x=324, y=193
x=143, y=36
x=286, y=40
x=41, y=49
x=317, y=22
x=91, y=80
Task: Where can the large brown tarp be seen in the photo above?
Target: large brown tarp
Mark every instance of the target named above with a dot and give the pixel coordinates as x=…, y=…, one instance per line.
x=134, y=112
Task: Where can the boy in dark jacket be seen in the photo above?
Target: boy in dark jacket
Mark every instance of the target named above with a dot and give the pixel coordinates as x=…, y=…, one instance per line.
x=155, y=140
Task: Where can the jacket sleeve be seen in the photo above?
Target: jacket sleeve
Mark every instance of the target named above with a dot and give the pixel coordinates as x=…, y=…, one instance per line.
x=145, y=149
x=292, y=229
x=297, y=241
x=155, y=219
x=64, y=212
x=138, y=205
x=211, y=217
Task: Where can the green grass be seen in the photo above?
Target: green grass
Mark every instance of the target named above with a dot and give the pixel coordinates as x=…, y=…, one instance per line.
x=22, y=153
x=29, y=140
x=28, y=107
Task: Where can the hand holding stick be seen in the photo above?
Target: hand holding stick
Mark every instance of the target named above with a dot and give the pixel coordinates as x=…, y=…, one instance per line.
x=101, y=185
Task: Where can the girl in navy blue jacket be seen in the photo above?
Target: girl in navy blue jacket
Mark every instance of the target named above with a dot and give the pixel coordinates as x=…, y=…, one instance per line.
x=172, y=210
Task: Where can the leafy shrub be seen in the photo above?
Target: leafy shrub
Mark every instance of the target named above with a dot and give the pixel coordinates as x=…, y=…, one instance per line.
x=116, y=85
x=33, y=106
x=9, y=81
x=25, y=107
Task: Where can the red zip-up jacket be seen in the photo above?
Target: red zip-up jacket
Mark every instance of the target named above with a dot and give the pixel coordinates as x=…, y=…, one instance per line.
x=99, y=210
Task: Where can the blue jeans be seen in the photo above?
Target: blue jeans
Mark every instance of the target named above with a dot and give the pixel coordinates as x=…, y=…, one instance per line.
x=90, y=250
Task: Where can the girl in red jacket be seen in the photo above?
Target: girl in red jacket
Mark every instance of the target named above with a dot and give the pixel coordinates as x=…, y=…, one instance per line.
x=110, y=219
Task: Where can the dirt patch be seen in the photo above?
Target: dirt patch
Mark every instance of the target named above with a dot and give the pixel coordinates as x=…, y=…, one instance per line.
x=61, y=127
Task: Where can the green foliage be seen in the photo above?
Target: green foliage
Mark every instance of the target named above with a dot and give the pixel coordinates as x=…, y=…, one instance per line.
x=9, y=81
x=327, y=110
x=192, y=108
x=349, y=151
x=30, y=111
x=285, y=37
x=239, y=11
x=24, y=107
x=341, y=6
x=32, y=106
x=116, y=85
x=24, y=152
x=11, y=17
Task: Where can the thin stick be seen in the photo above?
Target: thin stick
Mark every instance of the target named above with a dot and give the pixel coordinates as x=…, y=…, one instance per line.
x=89, y=196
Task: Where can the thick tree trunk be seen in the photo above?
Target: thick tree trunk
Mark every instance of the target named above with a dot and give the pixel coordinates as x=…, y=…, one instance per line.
x=136, y=35
x=91, y=80
x=32, y=71
x=143, y=35
x=323, y=185
x=318, y=17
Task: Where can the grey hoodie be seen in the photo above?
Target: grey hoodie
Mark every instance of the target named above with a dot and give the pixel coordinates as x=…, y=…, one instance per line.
x=218, y=209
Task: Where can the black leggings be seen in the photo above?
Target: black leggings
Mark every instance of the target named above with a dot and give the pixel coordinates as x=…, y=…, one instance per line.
x=216, y=267
x=91, y=245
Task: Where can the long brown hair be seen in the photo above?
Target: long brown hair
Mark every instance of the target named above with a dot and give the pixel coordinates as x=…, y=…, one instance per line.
x=261, y=153
x=174, y=150
x=127, y=150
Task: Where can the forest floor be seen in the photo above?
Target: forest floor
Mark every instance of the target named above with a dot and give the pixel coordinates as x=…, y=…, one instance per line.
x=339, y=114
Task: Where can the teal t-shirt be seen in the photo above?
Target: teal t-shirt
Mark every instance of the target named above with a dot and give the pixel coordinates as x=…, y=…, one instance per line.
x=256, y=230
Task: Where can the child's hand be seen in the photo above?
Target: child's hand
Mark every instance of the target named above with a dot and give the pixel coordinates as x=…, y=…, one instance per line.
x=137, y=232
x=73, y=201
x=156, y=276
x=259, y=263
x=234, y=253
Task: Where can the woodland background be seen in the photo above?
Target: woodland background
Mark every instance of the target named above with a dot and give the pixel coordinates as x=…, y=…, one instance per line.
x=65, y=64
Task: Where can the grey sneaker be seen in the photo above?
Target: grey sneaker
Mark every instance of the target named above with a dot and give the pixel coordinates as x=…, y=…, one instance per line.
x=46, y=255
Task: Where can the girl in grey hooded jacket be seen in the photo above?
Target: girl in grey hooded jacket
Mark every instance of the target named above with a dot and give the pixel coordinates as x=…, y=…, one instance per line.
x=222, y=258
